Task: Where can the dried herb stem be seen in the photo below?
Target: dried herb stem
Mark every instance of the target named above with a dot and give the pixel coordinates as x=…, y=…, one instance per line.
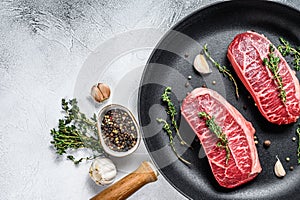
x=272, y=63
x=222, y=69
x=213, y=127
x=286, y=49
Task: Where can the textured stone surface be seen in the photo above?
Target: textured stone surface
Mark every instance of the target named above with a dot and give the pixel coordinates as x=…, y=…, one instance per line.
x=43, y=48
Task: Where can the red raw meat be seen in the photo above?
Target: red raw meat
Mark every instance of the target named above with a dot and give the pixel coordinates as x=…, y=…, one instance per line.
x=243, y=164
x=246, y=53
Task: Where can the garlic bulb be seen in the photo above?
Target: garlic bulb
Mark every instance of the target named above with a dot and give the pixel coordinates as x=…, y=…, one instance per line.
x=100, y=92
x=201, y=65
x=278, y=169
x=103, y=171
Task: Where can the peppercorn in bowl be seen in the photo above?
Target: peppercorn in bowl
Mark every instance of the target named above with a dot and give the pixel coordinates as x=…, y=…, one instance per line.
x=118, y=130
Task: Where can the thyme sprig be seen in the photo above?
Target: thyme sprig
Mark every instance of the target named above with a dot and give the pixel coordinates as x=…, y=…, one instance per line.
x=213, y=127
x=298, y=149
x=222, y=69
x=167, y=129
x=272, y=63
x=286, y=49
x=171, y=111
x=75, y=131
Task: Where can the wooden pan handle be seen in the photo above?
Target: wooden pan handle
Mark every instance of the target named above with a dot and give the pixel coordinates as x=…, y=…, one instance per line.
x=125, y=187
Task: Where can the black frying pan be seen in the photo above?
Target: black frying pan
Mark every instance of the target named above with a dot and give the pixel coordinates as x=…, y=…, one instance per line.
x=170, y=65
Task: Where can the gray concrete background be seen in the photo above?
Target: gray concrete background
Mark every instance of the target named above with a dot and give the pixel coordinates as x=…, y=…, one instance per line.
x=43, y=48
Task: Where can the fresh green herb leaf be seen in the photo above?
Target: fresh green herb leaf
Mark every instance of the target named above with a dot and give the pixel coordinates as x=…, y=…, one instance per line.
x=272, y=63
x=222, y=69
x=286, y=49
x=167, y=129
x=75, y=131
x=213, y=127
x=298, y=150
x=171, y=111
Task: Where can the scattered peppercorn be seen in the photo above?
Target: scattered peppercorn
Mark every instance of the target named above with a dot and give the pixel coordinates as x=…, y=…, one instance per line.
x=187, y=84
x=255, y=137
x=214, y=82
x=189, y=77
x=255, y=141
x=294, y=139
x=267, y=143
x=287, y=159
x=186, y=55
x=204, y=86
x=291, y=168
x=248, y=96
x=119, y=130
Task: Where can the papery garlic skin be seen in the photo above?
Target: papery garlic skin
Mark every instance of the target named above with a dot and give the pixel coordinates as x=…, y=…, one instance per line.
x=103, y=171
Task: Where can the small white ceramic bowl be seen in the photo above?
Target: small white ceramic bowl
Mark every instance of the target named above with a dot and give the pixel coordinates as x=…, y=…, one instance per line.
x=108, y=150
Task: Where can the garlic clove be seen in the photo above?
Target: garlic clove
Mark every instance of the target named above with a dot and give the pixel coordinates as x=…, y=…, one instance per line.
x=96, y=94
x=201, y=65
x=278, y=169
x=103, y=171
x=100, y=92
x=105, y=90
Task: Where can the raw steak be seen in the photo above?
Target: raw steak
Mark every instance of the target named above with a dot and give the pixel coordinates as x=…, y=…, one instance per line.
x=243, y=164
x=246, y=53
